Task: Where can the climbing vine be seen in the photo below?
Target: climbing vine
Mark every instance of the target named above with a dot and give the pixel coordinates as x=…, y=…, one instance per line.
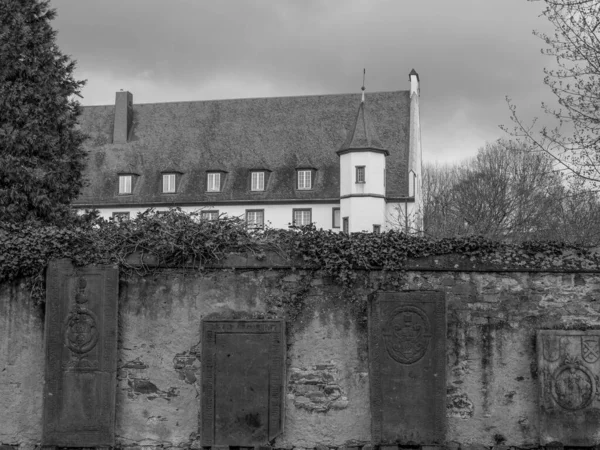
x=182, y=240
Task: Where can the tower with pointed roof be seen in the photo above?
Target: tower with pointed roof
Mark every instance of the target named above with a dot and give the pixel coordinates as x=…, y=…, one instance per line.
x=362, y=176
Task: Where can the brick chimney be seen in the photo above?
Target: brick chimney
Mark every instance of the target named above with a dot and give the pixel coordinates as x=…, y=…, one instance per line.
x=123, y=117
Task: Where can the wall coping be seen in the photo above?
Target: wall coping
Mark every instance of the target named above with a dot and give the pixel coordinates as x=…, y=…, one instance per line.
x=440, y=263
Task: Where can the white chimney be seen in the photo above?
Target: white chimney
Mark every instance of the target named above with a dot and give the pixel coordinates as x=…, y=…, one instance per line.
x=413, y=76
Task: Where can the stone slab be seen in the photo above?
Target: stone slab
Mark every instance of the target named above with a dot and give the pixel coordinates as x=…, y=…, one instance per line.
x=407, y=363
x=80, y=355
x=569, y=381
x=243, y=364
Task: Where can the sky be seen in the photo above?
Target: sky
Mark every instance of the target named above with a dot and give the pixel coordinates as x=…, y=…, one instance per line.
x=470, y=55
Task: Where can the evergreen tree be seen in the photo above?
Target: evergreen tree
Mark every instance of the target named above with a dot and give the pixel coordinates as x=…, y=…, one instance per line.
x=41, y=153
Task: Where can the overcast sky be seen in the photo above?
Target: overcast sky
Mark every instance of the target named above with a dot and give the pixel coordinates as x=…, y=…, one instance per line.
x=470, y=54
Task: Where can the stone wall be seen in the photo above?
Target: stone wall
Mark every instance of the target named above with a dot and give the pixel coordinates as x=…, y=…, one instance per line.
x=492, y=390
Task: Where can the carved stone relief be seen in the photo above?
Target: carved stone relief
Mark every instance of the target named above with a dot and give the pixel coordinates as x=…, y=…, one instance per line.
x=569, y=373
x=407, y=361
x=242, y=382
x=81, y=345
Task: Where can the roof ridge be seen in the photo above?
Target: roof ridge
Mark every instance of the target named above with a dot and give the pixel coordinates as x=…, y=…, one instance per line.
x=251, y=98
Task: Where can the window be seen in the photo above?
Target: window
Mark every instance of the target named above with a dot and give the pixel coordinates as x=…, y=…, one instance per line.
x=168, y=185
x=336, y=218
x=125, y=184
x=120, y=216
x=302, y=217
x=255, y=218
x=411, y=183
x=346, y=225
x=360, y=174
x=377, y=229
x=257, y=181
x=210, y=215
x=304, y=179
x=213, y=183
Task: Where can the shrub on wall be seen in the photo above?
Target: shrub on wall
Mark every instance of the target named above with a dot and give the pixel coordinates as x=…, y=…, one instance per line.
x=178, y=239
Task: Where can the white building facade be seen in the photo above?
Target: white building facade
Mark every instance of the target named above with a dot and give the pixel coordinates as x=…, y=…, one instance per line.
x=341, y=162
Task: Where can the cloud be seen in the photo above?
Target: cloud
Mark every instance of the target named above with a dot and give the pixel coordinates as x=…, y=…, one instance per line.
x=469, y=54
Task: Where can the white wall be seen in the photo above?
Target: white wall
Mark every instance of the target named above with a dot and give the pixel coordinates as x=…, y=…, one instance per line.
x=415, y=151
x=399, y=216
x=276, y=216
x=363, y=213
x=374, y=173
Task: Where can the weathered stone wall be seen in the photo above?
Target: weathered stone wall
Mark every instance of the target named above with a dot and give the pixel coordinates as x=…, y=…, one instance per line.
x=492, y=392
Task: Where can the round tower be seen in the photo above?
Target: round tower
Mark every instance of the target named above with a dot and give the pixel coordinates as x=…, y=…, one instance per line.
x=362, y=177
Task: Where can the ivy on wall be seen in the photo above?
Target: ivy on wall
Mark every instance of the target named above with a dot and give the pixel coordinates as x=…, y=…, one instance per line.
x=178, y=239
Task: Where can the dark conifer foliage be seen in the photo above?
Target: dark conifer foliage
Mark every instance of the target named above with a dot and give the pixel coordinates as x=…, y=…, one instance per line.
x=41, y=153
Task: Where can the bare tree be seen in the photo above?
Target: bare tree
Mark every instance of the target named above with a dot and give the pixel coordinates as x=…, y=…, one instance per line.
x=577, y=216
x=439, y=213
x=574, y=142
x=508, y=193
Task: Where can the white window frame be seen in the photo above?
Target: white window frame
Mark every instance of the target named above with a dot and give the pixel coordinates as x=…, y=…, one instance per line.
x=210, y=215
x=304, y=179
x=121, y=215
x=255, y=218
x=303, y=214
x=213, y=181
x=346, y=224
x=125, y=184
x=257, y=182
x=411, y=183
x=339, y=218
x=360, y=174
x=169, y=185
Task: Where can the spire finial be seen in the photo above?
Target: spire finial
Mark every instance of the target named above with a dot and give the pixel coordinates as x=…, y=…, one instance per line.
x=363, y=86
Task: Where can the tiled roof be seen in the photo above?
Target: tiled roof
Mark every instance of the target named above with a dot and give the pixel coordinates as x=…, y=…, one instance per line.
x=235, y=136
x=362, y=135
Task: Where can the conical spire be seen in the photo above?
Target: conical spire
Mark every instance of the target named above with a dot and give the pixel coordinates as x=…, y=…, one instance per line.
x=362, y=135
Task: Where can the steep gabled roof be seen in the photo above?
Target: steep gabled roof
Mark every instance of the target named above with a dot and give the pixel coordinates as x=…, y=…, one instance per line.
x=362, y=135
x=235, y=136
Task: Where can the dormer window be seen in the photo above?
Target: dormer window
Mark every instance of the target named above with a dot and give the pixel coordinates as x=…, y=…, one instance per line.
x=360, y=174
x=213, y=181
x=305, y=179
x=169, y=183
x=125, y=184
x=257, y=181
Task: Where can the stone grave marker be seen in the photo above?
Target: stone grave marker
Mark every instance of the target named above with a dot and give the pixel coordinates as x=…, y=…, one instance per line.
x=407, y=362
x=80, y=355
x=243, y=363
x=569, y=377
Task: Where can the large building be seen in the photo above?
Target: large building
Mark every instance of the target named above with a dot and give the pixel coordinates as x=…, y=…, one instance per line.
x=343, y=162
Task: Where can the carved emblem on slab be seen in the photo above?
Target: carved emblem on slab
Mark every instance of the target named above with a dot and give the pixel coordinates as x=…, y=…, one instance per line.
x=569, y=369
x=81, y=330
x=407, y=334
x=551, y=347
x=573, y=386
x=590, y=349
